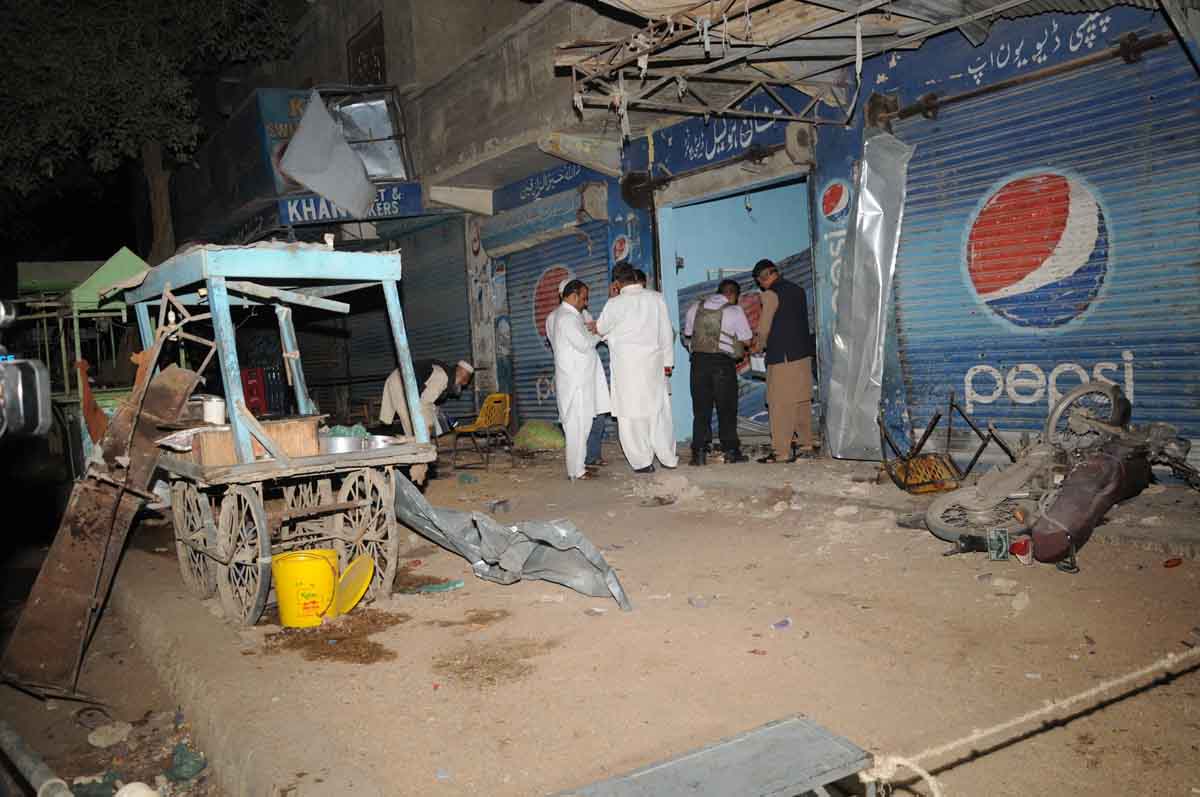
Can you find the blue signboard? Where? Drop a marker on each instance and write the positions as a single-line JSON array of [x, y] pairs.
[[698, 143], [392, 200]]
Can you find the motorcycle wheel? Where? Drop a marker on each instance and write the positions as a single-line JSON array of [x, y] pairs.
[[948, 519], [1100, 401]]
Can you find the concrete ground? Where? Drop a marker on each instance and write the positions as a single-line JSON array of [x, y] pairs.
[[532, 689]]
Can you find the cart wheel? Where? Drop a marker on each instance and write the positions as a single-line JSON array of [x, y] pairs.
[[244, 539], [370, 529], [305, 495], [194, 523]]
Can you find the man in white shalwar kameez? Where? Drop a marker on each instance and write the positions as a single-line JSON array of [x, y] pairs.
[[579, 384], [636, 324]]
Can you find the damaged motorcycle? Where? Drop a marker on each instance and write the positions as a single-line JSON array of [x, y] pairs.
[[1047, 503]]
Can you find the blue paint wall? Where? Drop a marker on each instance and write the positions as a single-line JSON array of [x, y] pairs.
[[722, 233]]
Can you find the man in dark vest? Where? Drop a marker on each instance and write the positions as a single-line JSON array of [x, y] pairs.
[[784, 335], [437, 382], [716, 330]]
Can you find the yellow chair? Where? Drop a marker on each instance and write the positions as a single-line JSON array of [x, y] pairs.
[[491, 427]]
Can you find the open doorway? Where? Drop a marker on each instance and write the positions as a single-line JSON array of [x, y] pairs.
[[722, 237]]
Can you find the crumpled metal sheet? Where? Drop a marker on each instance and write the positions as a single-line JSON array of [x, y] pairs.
[[319, 158], [554, 550], [860, 329]]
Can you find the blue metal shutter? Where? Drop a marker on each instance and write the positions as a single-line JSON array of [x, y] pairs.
[[433, 295], [583, 253], [1050, 236]]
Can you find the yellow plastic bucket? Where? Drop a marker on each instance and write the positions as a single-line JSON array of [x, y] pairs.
[[305, 586]]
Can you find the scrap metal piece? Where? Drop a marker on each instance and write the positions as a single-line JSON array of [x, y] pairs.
[[554, 551], [46, 649]]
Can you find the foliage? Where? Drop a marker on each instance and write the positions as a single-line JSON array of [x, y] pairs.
[[96, 79]]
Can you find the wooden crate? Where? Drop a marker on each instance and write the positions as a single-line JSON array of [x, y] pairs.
[[297, 437]]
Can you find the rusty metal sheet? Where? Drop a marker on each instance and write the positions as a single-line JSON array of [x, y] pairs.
[[46, 649]]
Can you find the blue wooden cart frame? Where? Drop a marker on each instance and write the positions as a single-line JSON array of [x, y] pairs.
[[233, 553]]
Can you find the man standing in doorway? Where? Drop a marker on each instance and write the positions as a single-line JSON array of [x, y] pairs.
[[784, 335], [579, 384], [637, 326], [717, 330]]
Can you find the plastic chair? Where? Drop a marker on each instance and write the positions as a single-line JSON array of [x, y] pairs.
[[490, 427]]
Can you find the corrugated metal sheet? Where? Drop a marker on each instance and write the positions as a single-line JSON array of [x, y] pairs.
[[752, 389], [1051, 236], [433, 293], [533, 278]]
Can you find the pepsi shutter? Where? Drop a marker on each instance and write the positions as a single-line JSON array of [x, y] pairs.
[[533, 278], [1049, 238]]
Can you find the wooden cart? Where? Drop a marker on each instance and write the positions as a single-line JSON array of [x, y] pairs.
[[250, 489]]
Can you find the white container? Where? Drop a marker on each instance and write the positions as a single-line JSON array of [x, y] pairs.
[[211, 409]]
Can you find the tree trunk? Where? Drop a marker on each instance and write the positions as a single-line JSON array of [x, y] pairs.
[[158, 184]]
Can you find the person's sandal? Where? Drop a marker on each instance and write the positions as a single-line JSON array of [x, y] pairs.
[[769, 459]]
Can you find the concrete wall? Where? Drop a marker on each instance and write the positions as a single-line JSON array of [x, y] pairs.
[[444, 33], [505, 97]]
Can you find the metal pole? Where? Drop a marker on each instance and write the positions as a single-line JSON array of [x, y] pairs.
[[145, 331], [407, 371], [31, 766], [62, 340], [78, 348], [291, 359], [231, 374]]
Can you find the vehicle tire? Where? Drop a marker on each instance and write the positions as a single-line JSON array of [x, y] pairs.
[[1102, 401], [192, 513], [243, 538], [948, 519]]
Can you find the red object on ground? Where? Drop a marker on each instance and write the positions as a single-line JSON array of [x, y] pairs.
[[1173, 562], [254, 390]]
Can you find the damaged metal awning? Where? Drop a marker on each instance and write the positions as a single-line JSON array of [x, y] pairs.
[[707, 58]]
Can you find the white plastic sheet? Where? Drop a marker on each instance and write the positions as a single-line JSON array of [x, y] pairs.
[[860, 327]]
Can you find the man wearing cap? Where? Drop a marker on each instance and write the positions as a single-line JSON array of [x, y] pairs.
[[579, 384], [433, 378], [784, 335], [637, 327]]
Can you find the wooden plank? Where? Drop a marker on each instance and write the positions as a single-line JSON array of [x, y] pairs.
[[296, 437], [290, 297], [781, 759], [252, 472]]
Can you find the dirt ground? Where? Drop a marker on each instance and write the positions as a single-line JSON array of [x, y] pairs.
[[532, 689]]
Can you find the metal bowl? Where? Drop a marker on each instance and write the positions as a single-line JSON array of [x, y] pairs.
[[340, 445], [377, 441]]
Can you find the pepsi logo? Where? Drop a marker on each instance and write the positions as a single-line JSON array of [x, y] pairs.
[[835, 200], [1037, 251], [545, 297]]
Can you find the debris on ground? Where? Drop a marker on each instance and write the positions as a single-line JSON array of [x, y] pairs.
[[667, 489], [442, 586], [108, 735], [698, 602], [499, 505], [595, 611], [154, 749], [782, 625], [491, 663], [474, 619], [345, 639], [468, 478], [408, 583]]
